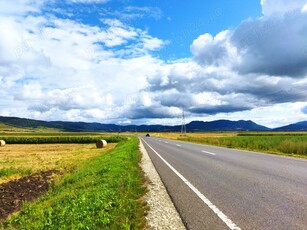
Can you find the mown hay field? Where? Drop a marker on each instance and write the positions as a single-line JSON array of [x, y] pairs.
[[27, 153], [17, 160], [92, 189]]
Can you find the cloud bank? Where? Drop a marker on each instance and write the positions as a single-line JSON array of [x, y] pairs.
[[261, 63], [57, 68]]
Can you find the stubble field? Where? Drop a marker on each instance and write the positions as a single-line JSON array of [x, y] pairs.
[[18, 160]]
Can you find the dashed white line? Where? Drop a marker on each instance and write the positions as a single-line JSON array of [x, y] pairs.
[[178, 145], [231, 225], [208, 152], [165, 142]]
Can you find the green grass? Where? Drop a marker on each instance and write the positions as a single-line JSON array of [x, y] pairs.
[[6, 172], [104, 193], [286, 144]]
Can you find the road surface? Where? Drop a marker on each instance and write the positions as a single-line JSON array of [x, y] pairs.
[[220, 188]]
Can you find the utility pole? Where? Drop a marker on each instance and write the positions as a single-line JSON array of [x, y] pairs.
[[183, 125]]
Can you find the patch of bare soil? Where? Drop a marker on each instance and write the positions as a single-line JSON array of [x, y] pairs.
[[28, 188]]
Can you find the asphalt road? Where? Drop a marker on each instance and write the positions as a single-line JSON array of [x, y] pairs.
[[220, 188]]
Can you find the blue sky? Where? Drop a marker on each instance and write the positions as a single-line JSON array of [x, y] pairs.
[[141, 62], [182, 22], [177, 22]]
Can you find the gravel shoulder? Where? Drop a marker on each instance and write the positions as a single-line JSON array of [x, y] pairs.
[[162, 213]]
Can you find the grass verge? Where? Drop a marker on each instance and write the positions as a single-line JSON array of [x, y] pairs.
[[281, 143], [104, 193], [290, 145]]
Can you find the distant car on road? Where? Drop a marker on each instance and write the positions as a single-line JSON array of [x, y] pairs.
[[147, 135]]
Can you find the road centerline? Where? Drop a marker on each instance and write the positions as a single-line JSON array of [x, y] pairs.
[[219, 213], [203, 151]]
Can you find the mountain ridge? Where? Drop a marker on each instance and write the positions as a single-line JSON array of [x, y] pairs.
[[193, 126], [299, 126]]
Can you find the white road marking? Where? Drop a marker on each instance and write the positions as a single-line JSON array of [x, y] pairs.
[[178, 145], [165, 142], [208, 152], [218, 212]]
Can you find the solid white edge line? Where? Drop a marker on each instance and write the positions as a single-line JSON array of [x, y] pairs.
[[218, 212], [208, 152]]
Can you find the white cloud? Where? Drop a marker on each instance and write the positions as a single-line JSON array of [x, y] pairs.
[[150, 43], [21, 7], [217, 50], [30, 92], [146, 99], [118, 34], [279, 7], [88, 1], [304, 9], [63, 69], [260, 63], [273, 46], [130, 13]]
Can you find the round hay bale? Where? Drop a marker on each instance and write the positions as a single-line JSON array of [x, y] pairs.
[[101, 144], [2, 143]]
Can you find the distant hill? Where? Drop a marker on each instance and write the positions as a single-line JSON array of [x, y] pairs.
[[225, 125], [194, 126], [9, 128], [300, 126], [60, 125], [16, 123]]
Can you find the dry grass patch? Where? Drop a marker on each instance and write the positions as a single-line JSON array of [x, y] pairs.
[[19, 160], [176, 136]]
